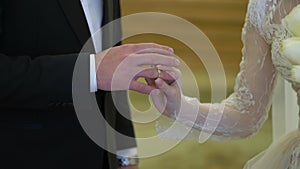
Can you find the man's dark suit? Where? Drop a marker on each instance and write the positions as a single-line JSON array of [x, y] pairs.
[[39, 44]]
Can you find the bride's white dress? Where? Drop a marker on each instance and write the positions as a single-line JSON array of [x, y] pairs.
[[247, 108]]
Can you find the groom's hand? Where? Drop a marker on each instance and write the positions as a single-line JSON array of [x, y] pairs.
[[118, 68]]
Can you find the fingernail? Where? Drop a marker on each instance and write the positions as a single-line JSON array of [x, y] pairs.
[[171, 50]]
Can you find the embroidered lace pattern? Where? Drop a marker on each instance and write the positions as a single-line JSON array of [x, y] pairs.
[[247, 107]]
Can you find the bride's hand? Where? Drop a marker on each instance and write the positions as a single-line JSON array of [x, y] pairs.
[[167, 97]]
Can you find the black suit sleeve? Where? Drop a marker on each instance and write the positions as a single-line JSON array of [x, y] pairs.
[[37, 55], [35, 83], [123, 122], [125, 127]]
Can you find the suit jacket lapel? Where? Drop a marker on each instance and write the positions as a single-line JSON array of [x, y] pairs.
[[111, 11], [75, 15]]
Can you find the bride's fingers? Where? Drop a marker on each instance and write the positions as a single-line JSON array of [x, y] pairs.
[[157, 100], [167, 77], [171, 97], [167, 89], [170, 71]]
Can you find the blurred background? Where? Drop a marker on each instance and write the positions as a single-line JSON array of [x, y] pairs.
[[221, 21]]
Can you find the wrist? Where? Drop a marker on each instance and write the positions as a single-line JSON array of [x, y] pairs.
[[189, 108]]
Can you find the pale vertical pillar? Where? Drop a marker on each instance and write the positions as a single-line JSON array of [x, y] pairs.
[[284, 109]]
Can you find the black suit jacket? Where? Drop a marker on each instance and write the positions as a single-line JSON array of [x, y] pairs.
[[39, 45]]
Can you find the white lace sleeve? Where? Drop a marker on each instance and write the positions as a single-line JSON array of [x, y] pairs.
[[247, 108]]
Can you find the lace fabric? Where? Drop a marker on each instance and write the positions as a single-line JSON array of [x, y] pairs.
[[264, 31], [246, 109], [284, 153]]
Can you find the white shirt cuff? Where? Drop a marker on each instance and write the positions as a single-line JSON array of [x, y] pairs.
[[93, 78], [129, 152]]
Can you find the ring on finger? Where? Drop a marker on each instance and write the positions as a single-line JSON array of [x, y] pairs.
[[159, 73]]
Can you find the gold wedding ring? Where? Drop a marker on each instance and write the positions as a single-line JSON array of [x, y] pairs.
[[158, 72]]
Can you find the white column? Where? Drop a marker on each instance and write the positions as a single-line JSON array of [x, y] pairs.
[[284, 109]]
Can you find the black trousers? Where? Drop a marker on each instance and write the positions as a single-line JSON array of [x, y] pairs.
[[47, 140]]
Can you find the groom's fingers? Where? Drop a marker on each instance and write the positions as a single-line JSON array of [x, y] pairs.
[[154, 73], [153, 59], [141, 87], [174, 72], [147, 73], [142, 46], [167, 89], [167, 77], [156, 50]]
